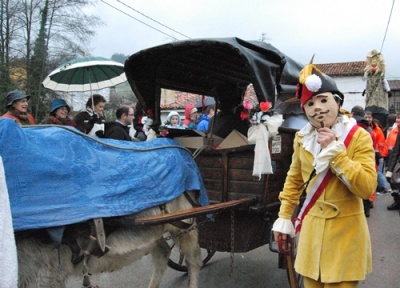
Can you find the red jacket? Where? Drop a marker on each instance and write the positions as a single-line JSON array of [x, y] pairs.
[[30, 118], [380, 146], [391, 138]]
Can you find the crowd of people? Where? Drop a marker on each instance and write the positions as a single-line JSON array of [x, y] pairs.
[[92, 121], [227, 118], [192, 120], [384, 141]]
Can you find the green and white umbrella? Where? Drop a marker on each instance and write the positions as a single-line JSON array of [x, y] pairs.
[[85, 74]]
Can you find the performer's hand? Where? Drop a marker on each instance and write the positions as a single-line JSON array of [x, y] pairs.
[[276, 236], [325, 137]]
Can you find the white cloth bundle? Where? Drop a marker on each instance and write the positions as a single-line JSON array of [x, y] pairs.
[[259, 134], [8, 249]]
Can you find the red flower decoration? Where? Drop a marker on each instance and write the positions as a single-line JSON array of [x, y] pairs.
[[164, 132], [244, 115], [265, 106]]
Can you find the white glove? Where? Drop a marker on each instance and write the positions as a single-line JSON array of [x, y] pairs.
[[96, 127]]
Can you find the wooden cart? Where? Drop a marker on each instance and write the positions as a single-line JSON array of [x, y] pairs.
[[243, 206]]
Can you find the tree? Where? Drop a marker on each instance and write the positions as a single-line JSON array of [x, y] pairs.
[[118, 57], [37, 64], [36, 37], [9, 27]]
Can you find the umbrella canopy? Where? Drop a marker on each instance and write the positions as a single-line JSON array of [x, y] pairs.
[[207, 101], [85, 74]]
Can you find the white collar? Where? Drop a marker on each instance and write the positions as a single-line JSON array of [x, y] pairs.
[[310, 134]]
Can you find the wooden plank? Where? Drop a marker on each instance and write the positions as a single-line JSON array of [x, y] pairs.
[[190, 213]]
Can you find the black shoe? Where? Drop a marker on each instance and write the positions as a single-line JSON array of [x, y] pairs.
[[367, 205], [393, 206], [379, 189]]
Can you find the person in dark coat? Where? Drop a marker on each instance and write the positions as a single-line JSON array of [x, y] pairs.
[[119, 129], [394, 157], [91, 121], [137, 123]]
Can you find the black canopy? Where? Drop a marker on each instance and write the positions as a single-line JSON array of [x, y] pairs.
[[212, 67]]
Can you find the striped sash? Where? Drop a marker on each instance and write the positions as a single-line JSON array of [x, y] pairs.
[[320, 183]]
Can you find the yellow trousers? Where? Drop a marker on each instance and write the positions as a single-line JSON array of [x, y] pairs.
[[311, 283]]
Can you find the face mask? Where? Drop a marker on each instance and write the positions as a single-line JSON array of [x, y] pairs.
[[322, 108]]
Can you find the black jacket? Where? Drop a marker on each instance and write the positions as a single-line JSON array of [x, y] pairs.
[[85, 122], [116, 130], [394, 156]]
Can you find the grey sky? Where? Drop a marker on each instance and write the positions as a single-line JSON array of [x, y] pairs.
[[336, 31]]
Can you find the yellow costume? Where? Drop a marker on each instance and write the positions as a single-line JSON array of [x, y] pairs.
[[334, 243]]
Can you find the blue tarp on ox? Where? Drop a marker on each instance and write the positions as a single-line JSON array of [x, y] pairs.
[[56, 176]]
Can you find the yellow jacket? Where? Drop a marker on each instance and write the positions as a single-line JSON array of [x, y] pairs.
[[334, 242]]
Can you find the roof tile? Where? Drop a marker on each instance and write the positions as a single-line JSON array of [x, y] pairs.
[[343, 69]]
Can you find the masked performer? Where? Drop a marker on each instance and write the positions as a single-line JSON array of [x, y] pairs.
[[334, 163]]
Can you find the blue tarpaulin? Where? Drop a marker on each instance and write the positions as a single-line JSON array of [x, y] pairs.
[[58, 176]]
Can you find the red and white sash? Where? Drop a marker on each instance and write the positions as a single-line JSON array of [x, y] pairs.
[[322, 180]]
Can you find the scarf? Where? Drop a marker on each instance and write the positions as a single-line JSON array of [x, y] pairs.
[[58, 121], [23, 117]]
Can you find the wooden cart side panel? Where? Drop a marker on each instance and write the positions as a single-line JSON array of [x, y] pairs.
[[236, 181]]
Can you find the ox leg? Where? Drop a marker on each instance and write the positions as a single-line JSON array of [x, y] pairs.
[[190, 248], [160, 255]]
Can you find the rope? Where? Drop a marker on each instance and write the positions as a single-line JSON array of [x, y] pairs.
[[387, 26]]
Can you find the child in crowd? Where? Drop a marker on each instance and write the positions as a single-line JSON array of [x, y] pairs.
[[174, 120], [190, 121]]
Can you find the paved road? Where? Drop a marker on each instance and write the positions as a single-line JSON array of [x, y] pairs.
[[258, 268]]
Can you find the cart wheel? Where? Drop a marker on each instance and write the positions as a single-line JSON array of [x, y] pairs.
[[176, 259]]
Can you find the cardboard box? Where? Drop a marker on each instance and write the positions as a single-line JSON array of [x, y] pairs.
[[234, 139], [192, 142], [195, 139]]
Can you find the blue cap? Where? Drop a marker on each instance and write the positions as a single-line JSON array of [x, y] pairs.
[[14, 96], [58, 103]]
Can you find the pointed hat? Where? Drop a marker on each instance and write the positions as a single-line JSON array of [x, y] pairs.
[[313, 81]]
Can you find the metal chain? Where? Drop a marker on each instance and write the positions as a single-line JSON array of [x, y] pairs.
[[191, 228], [232, 240]]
